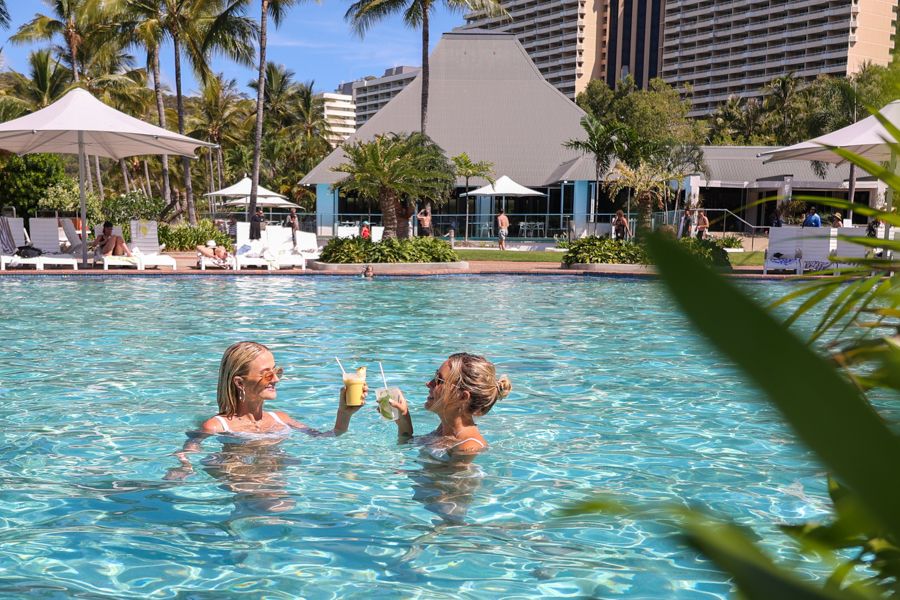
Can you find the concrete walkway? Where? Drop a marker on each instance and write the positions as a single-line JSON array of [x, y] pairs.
[[187, 265]]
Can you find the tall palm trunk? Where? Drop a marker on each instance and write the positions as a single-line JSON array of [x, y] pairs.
[[148, 190], [99, 178], [260, 95], [73, 52], [390, 209], [185, 161], [425, 66], [645, 214], [125, 175], [161, 111]]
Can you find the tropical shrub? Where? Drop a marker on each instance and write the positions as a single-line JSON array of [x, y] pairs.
[[64, 197], [24, 179], [122, 208], [392, 250], [730, 241], [606, 250], [185, 237]]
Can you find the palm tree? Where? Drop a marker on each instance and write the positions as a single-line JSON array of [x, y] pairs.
[[393, 170], [603, 144], [649, 183], [362, 14], [46, 82], [278, 10], [279, 95], [467, 169], [196, 29], [219, 116], [71, 19], [4, 14], [781, 102], [310, 123]]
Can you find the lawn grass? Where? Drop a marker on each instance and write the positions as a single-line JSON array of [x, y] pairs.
[[747, 259], [510, 256]]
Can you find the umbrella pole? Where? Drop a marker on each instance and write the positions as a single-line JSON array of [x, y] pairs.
[[83, 199], [467, 219]]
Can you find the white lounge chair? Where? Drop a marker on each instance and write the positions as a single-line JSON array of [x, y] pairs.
[[846, 249], [145, 245], [308, 243], [783, 253], [250, 253], [12, 237], [72, 236], [113, 261], [45, 237], [377, 235], [282, 248], [816, 244]]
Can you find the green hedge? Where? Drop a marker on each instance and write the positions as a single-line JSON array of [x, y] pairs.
[[415, 250], [185, 237], [605, 250]]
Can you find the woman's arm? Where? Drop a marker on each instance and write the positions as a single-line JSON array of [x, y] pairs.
[[404, 422], [191, 445], [341, 421]]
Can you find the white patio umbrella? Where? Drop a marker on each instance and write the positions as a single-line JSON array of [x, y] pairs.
[[867, 138], [242, 188], [503, 186], [80, 124], [263, 201]]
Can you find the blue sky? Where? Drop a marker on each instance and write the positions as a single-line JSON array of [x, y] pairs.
[[314, 41]]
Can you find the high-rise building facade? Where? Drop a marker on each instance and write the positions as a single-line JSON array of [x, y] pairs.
[[566, 39], [371, 93], [340, 113], [719, 48], [634, 43]]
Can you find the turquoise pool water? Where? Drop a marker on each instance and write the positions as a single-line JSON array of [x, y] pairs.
[[100, 380]]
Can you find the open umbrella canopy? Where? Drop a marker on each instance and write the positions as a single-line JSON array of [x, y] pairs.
[[866, 137], [242, 188], [80, 124], [504, 186], [271, 202], [79, 118]]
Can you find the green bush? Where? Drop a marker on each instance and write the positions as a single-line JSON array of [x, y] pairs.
[[65, 197], [25, 179], [122, 208], [185, 237], [415, 250], [605, 250], [730, 241]]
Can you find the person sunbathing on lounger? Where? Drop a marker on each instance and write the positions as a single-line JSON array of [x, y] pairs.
[[110, 244], [220, 256]]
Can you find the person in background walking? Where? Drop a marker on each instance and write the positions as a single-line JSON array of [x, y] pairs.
[[687, 221], [502, 228], [621, 230], [812, 219], [294, 222], [836, 220], [702, 224]]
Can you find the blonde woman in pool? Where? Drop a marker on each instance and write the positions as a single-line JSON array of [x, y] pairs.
[[248, 377], [465, 386]]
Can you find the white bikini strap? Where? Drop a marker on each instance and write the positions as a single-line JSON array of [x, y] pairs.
[[277, 418], [223, 422], [471, 439]]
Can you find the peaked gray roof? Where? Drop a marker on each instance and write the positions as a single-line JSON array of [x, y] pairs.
[[742, 164], [487, 99]]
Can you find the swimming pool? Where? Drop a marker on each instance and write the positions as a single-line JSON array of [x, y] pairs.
[[100, 379]]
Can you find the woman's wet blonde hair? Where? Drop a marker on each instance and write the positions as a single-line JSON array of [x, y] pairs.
[[477, 375], [235, 363]]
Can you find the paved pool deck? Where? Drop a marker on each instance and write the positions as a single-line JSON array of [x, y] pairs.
[[187, 265]]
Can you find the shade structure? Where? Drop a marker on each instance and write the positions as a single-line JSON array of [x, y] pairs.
[[270, 202], [504, 186], [242, 188], [867, 138], [80, 124]]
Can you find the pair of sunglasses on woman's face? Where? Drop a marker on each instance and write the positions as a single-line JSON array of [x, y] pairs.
[[267, 376]]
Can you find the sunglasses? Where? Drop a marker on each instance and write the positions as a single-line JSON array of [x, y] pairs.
[[269, 375], [438, 380]]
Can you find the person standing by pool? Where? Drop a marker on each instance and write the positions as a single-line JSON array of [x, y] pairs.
[[687, 221], [702, 224], [424, 217], [812, 219], [621, 230], [294, 222], [248, 377], [502, 228], [465, 386], [256, 224]]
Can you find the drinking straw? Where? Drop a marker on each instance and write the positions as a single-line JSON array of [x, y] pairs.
[[340, 365], [382, 375]]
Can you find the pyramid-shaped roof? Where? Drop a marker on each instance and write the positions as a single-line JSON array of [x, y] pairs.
[[487, 99]]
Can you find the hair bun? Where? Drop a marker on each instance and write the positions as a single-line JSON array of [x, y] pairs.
[[504, 387]]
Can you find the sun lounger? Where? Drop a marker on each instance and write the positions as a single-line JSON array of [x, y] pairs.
[[112, 261], [377, 234], [308, 243], [816, 244], [12, 235], [45, 237], [145, 245], [72, 236], [845, 251], [250, 253], [784, 252]]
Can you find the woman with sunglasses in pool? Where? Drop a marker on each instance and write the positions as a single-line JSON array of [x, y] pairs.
[[465, 386], [248, 377]]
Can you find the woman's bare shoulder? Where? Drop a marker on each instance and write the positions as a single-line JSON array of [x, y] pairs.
[[212, 425]]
